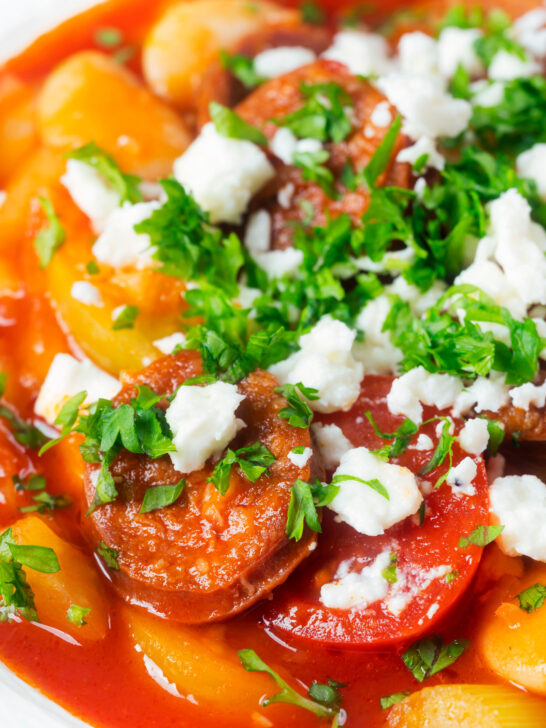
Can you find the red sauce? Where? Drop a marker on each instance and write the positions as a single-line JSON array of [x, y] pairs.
[[105, 682]]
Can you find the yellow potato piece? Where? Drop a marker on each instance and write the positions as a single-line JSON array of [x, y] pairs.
[[513, 642], [89, 97], [17, 124], [202, 665], [182, 44], [77, 582], [468, 706]]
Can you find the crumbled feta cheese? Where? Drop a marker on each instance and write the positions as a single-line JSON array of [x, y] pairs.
[[357, 589], [203, 423], [419, 302], [325, 362], [363, 508], [86, 293], [168, 344], [484, 394], [258, 232], [66, 377], [331, 442], [423, 146], [285, 195], [285, 145], [91, 192], [420, 187], [456, 47], [300, 459], [519, 503], [363, 53], [381, 116], [275, 62], [461, 477], [507, 66], [529, 394], [120, 245], [428, 110], [222, 174], [474, 437], [411, 581], [423, 442], [279, 263], [530, 31], [246, 296], [417, 387], [377, 352], [486, 93], [418, 54], [532, 165]]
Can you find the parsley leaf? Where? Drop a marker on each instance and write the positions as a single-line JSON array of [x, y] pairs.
[[44, 502], [313, 169], [480, 536], [389, 700], [374, 484], [161, 496], [496, 433], [242, 67], [443, 449], [532, 598], [109, 37], [305, 498], [312, 13], [253, 460], [389, 572], [231, 125], [126, 185], [33, 482], [3, 381], [66, 419], [401, 437], [431, 655], [50, 238], [326, 693], [298, 413], [125, 318], [382, 155], [76, 615], [323, 116], [253, 663], [24, 433], [108, 555]]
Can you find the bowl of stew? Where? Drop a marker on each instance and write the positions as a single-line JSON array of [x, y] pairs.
[[272, 344]]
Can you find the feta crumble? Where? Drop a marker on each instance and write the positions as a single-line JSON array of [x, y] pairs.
[[301, 459], [363, 508], [258, 232], [363, 53], [331, 442], [519, 503], [460, 477], [528, 394], [474, 437], [417, 387], [532, 165], [275, 62], [423, 146], [357, 589], [325, 363], [285, 145], [203, 423], [91, 192], [456, 47], [86, 293], [67, 377], [119, 245], [506, 66], [222, 174], [381, 116], [423, 442], [168, 344]]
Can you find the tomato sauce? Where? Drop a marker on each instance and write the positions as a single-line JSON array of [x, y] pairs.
[[107, 682]]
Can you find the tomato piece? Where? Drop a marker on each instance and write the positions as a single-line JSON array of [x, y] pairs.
[[432, 572]]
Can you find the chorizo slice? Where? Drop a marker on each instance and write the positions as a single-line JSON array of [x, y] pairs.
[[222, 86], [281, 96], [207, 556]]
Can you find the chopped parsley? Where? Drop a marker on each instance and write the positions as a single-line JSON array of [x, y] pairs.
[[389, 572], [401, 437], [161, 496], [389, 700], [109, 37], [374, 483], [312, 13], [381, 157], [126, 185], [298, 413], [325, 705], [51, 237], [431, 655], [231, 125], [23, 432], [76, 615], [443, 449], [33, 482], [254, 461], [313, 169], [305, 498], [126, 318], [108, 555], [532, 598], [45, 502], [242, 67], [480, 536]]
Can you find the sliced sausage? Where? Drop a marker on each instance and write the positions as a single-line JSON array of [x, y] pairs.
[[207, 556]]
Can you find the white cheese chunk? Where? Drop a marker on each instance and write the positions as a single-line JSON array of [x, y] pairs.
[[285, 145], [203, 423], [381, 116], [325, 363], [301, 459], [357, 589], [423, 146], [66, 377], [91, 192], [362, 507], [507, 66], [474, 437], [279, 263], [120, 245], [460, 477], [86, 293], [222, 174], [456, 47], [275, 62], [519, 503], [418, 54], [528, 394], [417, 387], [378, 354], [530, 31], [168, 344], [258, 232], [331, 442], [362, 53], [484, 394], [487, 93], [423, 442], [532, 164]]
